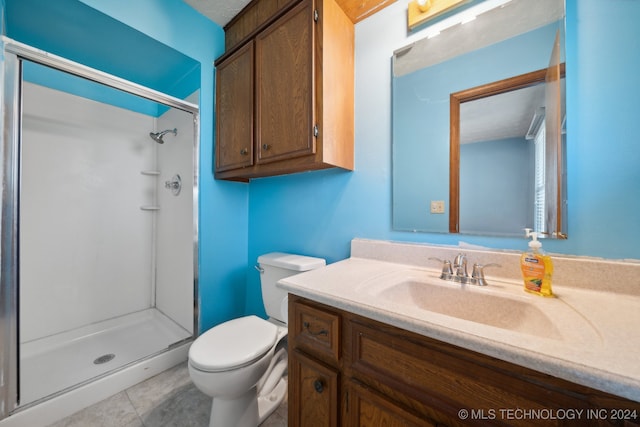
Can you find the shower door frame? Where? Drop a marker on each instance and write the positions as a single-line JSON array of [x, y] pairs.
[[10, 142]]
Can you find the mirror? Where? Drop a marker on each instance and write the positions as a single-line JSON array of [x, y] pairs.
[[447, 151]]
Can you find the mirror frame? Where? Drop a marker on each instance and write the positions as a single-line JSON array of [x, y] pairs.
[[479, 92]]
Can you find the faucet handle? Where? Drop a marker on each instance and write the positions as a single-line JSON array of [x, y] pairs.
[[477, 275], [447, 271]]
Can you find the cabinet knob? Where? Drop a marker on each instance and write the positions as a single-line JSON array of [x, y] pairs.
[[266, 147], [244, 151], [318, 386]]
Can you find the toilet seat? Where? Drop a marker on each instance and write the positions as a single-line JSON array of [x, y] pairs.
[[233, 344]]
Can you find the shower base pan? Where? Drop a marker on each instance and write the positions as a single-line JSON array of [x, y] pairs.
[[56, 363]]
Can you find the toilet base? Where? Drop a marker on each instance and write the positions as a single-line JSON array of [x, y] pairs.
[[269, 403], [241, 411], [248, 410]]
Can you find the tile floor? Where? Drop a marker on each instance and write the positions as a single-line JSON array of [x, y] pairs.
[[167, 400]]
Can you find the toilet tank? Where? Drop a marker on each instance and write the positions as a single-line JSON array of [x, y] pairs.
[[275, 266]]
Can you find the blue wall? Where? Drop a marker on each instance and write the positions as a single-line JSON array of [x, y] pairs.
[[2, 19], [319, 213], [69, 83], [497, 186]]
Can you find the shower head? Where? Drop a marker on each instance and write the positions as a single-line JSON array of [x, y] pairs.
[[157, 136]]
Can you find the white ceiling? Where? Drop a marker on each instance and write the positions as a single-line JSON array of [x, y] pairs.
[[219, 11], [507, 115]]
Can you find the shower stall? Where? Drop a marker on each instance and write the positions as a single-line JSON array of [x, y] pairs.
[[99, 231]]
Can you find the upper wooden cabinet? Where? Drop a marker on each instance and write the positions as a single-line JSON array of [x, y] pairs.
[[285, 116], [234, 100], [259, 13], [253, 17], [285, 97]]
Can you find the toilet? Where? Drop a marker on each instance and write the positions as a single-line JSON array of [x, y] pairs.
[[240, 363]]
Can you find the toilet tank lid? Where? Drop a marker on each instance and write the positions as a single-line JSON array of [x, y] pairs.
[[291, 261]]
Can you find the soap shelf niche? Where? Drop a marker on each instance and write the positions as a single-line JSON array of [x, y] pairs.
[[150, 207]]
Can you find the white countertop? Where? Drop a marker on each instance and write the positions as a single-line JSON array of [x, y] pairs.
[[593, 339]]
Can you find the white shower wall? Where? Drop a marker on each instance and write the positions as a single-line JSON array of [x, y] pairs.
[[85, 244], [175, 233]]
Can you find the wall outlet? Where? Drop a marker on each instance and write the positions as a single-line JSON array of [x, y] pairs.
[[437, 206]]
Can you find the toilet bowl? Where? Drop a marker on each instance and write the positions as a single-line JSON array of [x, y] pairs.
[[240, 363]]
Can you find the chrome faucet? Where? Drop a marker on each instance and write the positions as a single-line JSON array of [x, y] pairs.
[[461, 275], [460, 267]]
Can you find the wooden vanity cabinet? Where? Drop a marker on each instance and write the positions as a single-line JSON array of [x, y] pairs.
[[290, 107], [315, 387], [319, 392], [314, 364], [347, 370]]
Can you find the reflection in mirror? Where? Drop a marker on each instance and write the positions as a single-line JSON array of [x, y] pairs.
[[515, 39], [500, 133]]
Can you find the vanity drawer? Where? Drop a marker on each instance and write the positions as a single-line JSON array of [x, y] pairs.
[[437, 380], [315, 329]]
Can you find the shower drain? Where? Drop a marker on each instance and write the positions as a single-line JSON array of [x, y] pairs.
[[104, 359]]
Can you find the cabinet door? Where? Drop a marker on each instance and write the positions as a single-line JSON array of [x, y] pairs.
[[365, 408], [313, 396], [284, 87], [234, 104]]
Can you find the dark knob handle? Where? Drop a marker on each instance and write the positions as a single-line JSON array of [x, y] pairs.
[[318, 386], [244, 151], [266, 146]]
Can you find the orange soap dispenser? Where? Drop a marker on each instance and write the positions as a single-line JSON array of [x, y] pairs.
[[537, 267]]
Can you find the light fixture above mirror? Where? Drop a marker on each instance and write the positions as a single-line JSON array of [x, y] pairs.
[[420, 11]]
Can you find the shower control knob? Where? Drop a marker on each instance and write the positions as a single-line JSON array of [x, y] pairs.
[[244, 151], [175, 185]]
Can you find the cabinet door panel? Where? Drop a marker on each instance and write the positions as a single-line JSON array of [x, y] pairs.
[[313, 393], [368, 409], [284, 87], [316, 331], [234, 122]]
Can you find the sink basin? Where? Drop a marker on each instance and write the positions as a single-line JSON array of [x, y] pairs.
[[460, 302], [501, 306]]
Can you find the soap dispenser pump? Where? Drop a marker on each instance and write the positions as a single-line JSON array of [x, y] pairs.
[[537, 267]]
